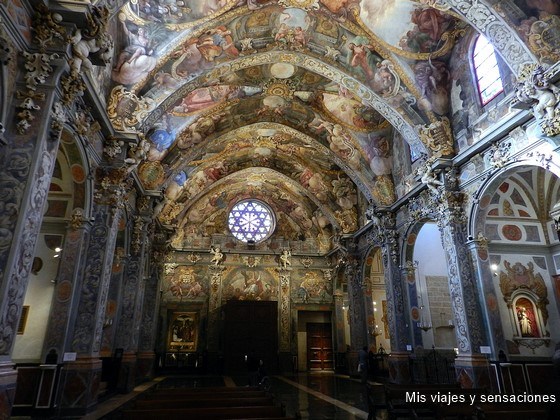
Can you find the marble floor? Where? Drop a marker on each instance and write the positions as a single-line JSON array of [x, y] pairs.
[[305, 395]]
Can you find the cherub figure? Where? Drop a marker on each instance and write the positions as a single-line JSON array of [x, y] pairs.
[[285, 258], [217, 255], [430, 179]]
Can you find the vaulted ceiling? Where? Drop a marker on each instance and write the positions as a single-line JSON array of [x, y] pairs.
[[295, 102]]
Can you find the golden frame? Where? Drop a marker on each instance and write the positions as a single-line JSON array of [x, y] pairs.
[[182, 333], [23, 319]]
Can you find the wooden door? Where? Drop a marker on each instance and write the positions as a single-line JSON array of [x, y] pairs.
[[250, 326], [319, 346]]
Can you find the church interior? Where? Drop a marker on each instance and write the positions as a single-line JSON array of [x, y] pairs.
[[186, 183]]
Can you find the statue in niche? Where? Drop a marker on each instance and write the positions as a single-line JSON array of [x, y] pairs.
[[524, 322]]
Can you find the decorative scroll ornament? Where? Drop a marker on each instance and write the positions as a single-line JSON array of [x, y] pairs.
[[169, 268], [113, 147], [193, 258], [383, 233], [306, 5], [499, 154], [111, 187], [438, 138], [5, 49], [77, 219], [126, 110], [47, 28], [535, 89], [137, 234]]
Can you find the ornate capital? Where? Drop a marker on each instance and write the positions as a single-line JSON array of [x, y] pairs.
[[78, 219], [47, 28]]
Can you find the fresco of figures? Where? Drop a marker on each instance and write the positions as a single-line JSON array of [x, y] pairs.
[[311, 287], [249, 284], [185, 283]]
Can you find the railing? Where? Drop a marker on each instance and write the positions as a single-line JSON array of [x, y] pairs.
[[36, 388], [432, 367]]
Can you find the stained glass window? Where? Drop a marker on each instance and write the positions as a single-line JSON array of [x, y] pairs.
[[486, 70], [251, 220]]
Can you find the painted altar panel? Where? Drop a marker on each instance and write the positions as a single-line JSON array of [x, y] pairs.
[[183, 331]]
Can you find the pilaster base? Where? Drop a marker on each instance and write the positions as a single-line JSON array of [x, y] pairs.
[[352, 361], [79, 386], [127, 373], [399, 367], [8, 380], [472, 371], [145, 361], [286, 362]]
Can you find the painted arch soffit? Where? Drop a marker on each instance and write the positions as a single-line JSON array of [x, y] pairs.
[[334, 157], [278, 191], [326, 184], [395, 100]]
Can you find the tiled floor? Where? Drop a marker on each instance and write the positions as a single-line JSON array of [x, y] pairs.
[[308, 396]]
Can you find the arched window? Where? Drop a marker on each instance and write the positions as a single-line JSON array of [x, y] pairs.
[[486, 70]]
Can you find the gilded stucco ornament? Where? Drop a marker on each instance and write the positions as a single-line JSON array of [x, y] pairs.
[[113, 147], [137, 235], [535, 89], [126, 110], [78, 218], [438, 138], [499, 154]]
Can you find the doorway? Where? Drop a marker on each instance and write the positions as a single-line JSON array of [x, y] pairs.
[[319, 346], [250, 326]]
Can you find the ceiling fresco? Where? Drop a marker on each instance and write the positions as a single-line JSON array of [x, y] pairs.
[[308, 94]]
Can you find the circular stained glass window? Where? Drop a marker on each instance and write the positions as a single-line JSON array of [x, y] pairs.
[[251, 221]]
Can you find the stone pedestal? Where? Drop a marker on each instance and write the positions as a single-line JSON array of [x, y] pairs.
[[399, 368], [472, 371], [127, 373], [145, 364], [79, 383]]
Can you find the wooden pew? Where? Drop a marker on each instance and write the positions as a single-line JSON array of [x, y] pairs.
[[509, 411], [215, 413], [217, 401], [202, 395]]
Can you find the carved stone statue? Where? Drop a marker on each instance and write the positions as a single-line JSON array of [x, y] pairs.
[[217, 255], [534, 88], [285, 258], [430, 179]]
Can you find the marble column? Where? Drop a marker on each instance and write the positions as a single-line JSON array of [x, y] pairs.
[[132, 298], [384, 235], [471, 366], [68, 286], [215, 272], [80, 380], [339, 339], [27, 159], [488, 297], [150, 309], [284, 312], [358, 327]]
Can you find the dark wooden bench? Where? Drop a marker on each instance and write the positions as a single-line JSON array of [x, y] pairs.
[[215, 413], [202, 395], [509, 411], [217, 401]]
